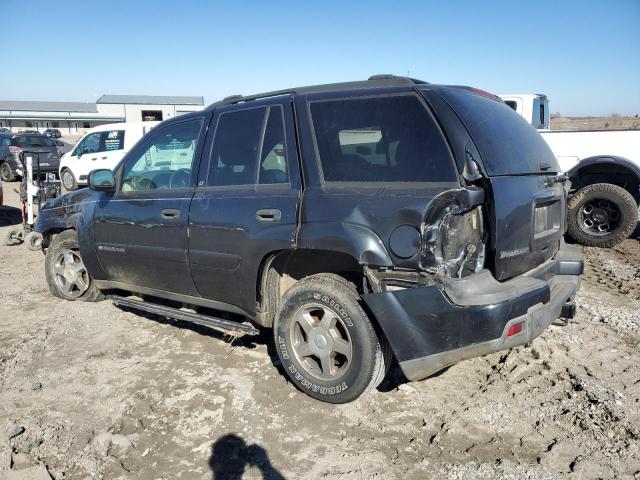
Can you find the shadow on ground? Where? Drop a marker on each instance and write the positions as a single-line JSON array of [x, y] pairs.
[[230, 456]]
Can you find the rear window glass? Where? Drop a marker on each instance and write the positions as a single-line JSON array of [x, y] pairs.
[[33, 141], [380, 139], [507, 143]]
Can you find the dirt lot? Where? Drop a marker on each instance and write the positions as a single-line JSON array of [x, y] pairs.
[[595, 123], [92, 391]]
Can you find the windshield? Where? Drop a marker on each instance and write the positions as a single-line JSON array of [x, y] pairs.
[[507, 143]]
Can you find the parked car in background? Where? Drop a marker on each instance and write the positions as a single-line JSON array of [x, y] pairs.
[[403, 228], [603, 167], [4, 130], [102, 147], [12, 144], [52, 132], [29, 131]]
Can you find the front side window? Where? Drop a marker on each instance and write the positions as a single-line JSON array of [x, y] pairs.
[[91, 143], [380, 139], [164, 160]]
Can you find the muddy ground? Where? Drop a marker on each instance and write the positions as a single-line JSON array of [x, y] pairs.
[[92, 391]]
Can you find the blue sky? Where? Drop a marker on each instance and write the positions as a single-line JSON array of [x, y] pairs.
[[584, 54]]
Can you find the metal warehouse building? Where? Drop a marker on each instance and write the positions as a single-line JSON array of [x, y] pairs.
[[77, 117]]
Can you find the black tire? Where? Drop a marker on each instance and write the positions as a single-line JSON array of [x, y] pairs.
[[10, 236], [6, 174], [65, 242], [33, 241], [68, 180], [623, 209], [348, 376]]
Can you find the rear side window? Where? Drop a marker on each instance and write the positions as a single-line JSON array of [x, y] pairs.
[[234, 155], [380, 139], [249, 147], [508, 144], [5, 141]]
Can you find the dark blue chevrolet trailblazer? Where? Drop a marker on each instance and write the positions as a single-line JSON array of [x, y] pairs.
[[359, 221]]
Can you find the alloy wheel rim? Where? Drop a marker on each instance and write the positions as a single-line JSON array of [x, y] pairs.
[[599, 217], [67, 180], [70, 274], [321, 342]]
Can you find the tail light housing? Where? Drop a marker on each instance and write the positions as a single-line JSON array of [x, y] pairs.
[[15, 150], [461, 244], [454, 234]]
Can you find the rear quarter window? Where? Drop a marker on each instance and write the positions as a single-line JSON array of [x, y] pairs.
[[507, 143], [380, 139]]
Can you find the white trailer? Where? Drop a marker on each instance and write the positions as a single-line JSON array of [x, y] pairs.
[[604, 169]]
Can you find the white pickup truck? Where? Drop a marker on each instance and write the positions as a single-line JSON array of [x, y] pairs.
[[604, 169]]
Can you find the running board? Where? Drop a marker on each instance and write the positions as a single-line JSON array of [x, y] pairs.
[[177, 314]]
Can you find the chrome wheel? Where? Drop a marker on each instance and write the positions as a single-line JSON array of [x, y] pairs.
[[67, 179], [599, 217], [321, 342], [70, 274]]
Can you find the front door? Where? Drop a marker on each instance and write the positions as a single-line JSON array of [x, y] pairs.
[[245, 205], [141, 231]]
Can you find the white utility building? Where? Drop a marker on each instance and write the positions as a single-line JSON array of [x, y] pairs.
[[77, 117]]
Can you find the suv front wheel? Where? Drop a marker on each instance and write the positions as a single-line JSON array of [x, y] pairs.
[[326, 342], [65, 271]]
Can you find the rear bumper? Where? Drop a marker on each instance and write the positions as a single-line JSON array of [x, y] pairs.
[[432, 327]]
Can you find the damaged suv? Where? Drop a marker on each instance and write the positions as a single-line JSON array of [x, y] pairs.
[[360, 221]]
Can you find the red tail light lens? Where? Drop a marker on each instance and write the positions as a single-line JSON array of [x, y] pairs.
[[515, 329]]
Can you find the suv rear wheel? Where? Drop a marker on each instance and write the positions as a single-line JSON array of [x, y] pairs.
[[65, 271], [602, 215], [325, 341]]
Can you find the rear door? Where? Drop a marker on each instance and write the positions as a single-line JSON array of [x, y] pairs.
[[245, 204], [527, 206], [141, 230]]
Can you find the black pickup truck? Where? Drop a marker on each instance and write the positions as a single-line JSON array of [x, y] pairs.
[[359, 221]]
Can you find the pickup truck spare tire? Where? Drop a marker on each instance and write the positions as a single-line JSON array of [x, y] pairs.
[[65, 272], [601, 215], [325, 341]]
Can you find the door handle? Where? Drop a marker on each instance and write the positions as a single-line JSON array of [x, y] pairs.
[[266, 215], [103, 158], [94, 158], [170, 213]]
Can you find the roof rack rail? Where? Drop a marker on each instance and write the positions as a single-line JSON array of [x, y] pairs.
[[383, 79]]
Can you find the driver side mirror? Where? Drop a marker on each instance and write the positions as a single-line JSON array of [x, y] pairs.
[[102, 180]]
